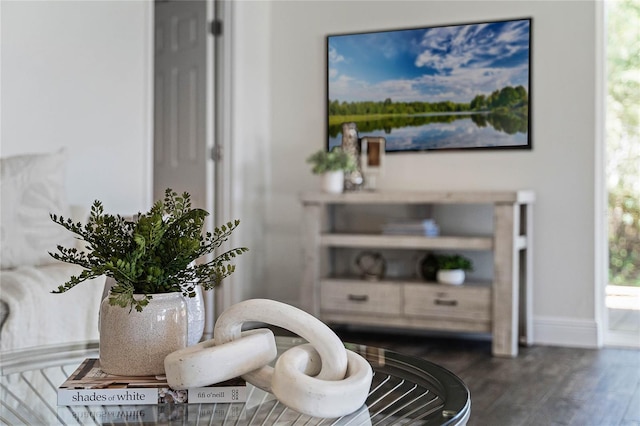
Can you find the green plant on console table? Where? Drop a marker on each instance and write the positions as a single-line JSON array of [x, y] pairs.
[[454, 261], [155, 253], [331, 161]]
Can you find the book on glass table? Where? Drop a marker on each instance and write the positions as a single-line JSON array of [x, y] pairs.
[[89, 385], [175, 414]]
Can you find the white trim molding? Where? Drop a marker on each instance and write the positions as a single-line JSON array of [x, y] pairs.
[[566, 332], [224, 206]]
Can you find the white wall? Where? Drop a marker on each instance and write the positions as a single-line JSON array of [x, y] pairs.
[[560, 168], [78, 75]]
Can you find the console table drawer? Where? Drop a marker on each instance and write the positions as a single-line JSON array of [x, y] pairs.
[[357, 297], [447, 301]]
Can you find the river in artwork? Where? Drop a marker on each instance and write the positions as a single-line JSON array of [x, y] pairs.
[[443, 131]]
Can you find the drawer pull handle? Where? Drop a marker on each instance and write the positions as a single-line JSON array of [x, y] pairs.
[[358, 297], [446, 302]]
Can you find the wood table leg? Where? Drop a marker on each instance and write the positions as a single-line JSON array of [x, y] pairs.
[[506, 280], [312, 228]]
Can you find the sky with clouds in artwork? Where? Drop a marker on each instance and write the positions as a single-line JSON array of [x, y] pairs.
[[453, 63]]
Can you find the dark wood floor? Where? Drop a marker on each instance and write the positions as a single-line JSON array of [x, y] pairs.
[[542, 386]]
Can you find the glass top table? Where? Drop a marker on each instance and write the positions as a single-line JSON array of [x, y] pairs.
[[405, 391]]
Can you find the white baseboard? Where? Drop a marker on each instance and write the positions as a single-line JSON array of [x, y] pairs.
[[565, 332]]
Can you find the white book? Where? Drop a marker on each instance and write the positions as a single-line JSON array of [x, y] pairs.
[[151, 414], [89, 385], [425, 227]]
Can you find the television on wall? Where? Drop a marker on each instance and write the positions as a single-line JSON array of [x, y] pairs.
[[450, 87]]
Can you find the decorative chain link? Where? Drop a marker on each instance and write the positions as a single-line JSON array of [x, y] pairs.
[[320, 379]]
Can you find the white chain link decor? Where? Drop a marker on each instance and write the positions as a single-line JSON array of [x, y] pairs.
[[320, 379], [204, 364]]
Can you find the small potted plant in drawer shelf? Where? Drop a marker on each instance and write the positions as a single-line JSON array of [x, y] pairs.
[[452, 267]]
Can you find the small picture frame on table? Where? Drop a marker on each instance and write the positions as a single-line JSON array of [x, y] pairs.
[[372, 152]]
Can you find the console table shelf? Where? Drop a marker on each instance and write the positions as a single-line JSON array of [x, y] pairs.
[[501, 306], [406, 241]]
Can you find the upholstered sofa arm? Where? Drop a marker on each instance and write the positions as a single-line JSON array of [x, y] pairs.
[[37, 317]]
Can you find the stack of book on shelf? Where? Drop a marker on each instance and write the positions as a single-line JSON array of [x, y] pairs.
[[425, 227], [89, 385]]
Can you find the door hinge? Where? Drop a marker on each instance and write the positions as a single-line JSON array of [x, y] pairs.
[[216, 153], [216, 28]]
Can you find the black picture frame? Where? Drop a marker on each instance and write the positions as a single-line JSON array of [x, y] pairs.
[[435, 88]]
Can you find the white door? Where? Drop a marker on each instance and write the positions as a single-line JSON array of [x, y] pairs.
[[181, 143], [183, 107]]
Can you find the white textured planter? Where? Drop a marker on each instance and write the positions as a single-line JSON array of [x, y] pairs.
[[135, 343], [195, 310], [450, 276], [333, 182]]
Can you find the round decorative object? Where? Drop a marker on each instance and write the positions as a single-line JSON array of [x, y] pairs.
[[331, 350], [135, 343], [427, 267], [372, 265], [341, 379], [321, 398], [451, 276], [204, 364]]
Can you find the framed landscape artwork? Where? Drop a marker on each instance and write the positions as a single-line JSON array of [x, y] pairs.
[[434, 88]]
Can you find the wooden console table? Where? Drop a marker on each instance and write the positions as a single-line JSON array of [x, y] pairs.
[[501, 307]]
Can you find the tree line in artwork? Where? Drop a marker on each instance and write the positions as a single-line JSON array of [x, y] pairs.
[[508, 99], [507, 123]]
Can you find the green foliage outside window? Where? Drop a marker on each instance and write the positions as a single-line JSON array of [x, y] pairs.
[[623, 140], [624, 238]]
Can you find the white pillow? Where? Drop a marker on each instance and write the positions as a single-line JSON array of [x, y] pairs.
[[31, 187]]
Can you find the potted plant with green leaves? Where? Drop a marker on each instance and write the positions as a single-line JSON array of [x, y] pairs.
[[154, 262], [332, 165], [452, 267]]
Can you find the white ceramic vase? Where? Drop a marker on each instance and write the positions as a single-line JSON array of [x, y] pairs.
[[450, 276], [195, 309], [333, 182], [135, 343]]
